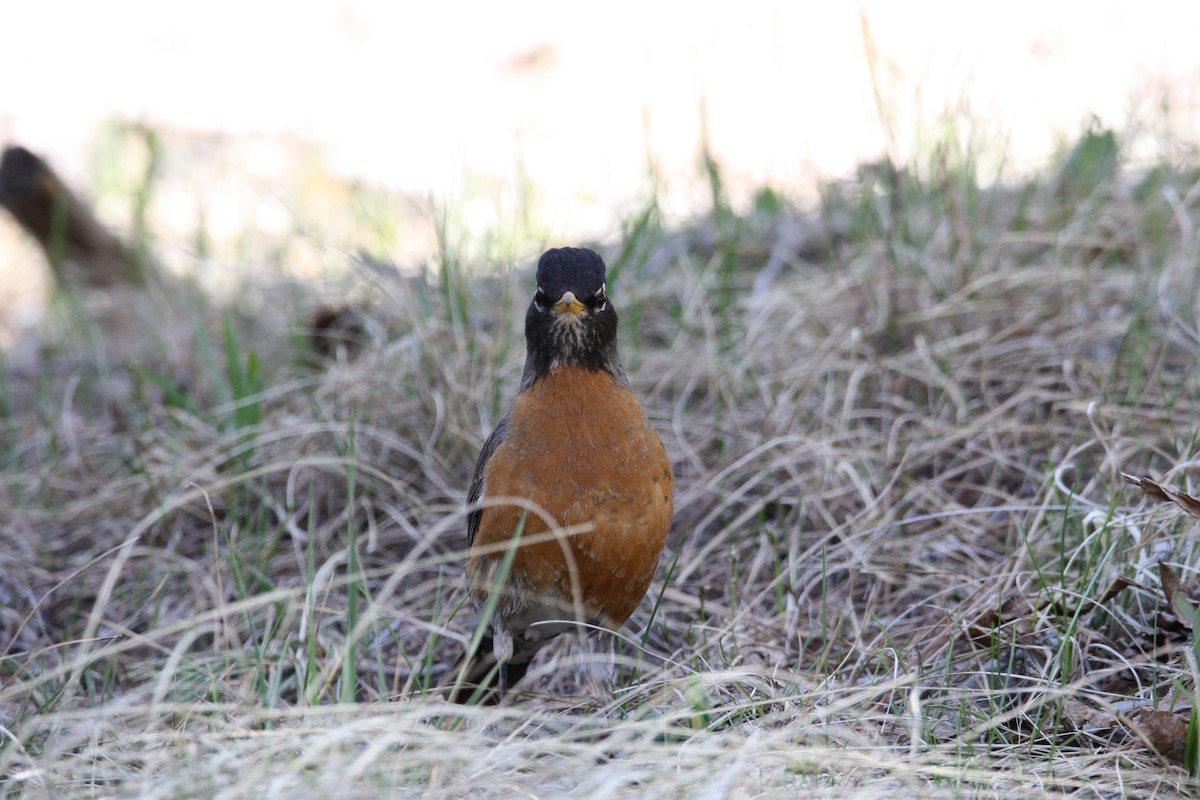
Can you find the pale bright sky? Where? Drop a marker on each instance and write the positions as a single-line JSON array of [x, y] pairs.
[[415, 94]]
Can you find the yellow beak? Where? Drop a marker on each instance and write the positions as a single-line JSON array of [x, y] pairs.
[[568, 303]]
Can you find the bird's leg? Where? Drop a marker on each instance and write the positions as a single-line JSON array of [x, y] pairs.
[[502, 649]]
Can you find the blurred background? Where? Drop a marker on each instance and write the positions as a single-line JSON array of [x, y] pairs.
[[281, 136]]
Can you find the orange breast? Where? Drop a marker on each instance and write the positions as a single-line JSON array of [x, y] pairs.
[[580, 447]]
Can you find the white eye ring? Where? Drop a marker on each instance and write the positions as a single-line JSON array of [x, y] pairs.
[[601, 297]]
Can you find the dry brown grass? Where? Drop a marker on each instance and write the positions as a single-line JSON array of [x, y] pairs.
[[899, 510]]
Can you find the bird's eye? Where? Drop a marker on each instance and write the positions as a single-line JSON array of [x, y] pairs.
[[599, 299], [540, 300]]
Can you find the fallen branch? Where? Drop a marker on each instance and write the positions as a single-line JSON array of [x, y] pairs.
[[80, 249]]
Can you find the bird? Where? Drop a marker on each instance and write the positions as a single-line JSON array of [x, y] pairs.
[[572, 496]]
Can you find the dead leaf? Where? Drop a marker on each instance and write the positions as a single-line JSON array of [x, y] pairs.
[[1164, 731], [1119, 584], [1013, 617], [1084, 715], [1165, 494], [1183, 609]]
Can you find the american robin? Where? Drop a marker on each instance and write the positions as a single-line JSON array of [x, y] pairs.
[[575, 488]]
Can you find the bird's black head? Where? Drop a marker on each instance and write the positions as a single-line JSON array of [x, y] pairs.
[[571, 321]]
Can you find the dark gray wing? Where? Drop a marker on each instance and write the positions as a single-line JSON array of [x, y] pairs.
[[477, 482]]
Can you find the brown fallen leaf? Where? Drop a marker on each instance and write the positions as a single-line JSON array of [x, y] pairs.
[[1180, 605], [1119, 584], [1084, 715], [1164, 731], [334, 328], [1012, 617], [1165, 494]]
